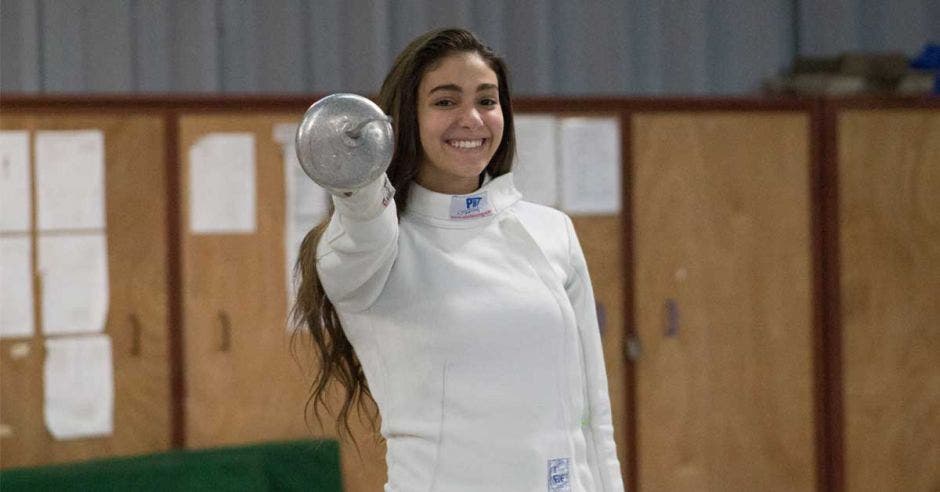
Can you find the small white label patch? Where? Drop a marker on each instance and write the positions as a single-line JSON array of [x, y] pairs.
[[558, 475], [470, 206]]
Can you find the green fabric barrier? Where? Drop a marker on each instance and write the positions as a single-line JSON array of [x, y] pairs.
[[281, 466]]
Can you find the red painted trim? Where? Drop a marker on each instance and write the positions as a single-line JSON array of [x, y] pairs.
[[174, 283], [829, 416], [926, 102], [145, 102], [818, 228], [633, 104], [631, 467]]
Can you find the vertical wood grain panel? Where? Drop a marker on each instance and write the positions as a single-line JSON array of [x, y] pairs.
[[722, 246], [26, 441], [137, 248], [232, 397], [889, 189], [257, 390]]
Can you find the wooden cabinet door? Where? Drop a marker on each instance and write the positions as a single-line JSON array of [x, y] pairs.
[[245, 381], [723, 301], [889, 246], [137, 320]]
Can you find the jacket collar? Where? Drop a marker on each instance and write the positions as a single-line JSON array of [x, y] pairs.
[[462, 211]]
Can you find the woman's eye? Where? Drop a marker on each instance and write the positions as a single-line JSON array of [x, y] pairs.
[[489, 102], [444, 103]]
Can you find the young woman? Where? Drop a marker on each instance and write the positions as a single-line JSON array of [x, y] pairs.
[[467, 310]]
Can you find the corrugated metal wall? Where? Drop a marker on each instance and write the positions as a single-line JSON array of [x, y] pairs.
[[563, 47]]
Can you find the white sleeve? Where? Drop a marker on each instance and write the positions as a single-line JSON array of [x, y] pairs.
[[359, 246], [597, 424]]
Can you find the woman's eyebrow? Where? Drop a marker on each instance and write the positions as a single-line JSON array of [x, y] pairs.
[[456, 88], [446, 87]]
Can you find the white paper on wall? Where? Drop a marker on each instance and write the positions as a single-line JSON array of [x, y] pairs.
[[285, 133], [590, 165], [70, 175], [16, 287], [307, 203], [222, 193], [73, 269], [14, 181], [535, 171], [79, 387]]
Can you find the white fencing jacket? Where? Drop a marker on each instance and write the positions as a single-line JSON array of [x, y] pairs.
[[474, 320]]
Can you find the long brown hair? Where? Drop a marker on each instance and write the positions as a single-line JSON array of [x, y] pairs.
[[398, 99]]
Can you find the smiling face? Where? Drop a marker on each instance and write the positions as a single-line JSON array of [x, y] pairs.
[[460, 123]]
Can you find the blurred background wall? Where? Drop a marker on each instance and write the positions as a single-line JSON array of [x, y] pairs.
[[554, 47]]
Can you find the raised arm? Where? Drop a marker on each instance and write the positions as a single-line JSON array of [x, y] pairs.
[[357, 250]]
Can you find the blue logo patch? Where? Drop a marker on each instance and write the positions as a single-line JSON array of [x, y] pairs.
[[558, 475], [473, 202]]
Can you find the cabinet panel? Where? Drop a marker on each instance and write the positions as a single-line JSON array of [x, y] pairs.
[[723, 301], [137, 320], [255, 390], [889, 227]]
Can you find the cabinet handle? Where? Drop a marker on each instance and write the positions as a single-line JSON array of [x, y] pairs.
[[226, 340], [671, 330], [135, 335]]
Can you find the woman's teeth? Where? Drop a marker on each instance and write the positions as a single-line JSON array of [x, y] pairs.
[[465, 144]]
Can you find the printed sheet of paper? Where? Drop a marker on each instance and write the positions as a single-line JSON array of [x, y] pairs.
[[535, 172], [222, 192], [16, 294], [70, 176], [74, 272], [307, 202], [590, 166], [14, 181], [79, 387]]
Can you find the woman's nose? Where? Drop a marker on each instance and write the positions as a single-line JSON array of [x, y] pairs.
[[471, 118]]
